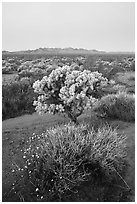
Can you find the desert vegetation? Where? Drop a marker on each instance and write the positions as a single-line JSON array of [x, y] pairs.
[[28, 70], [117, 106], [81, 147]]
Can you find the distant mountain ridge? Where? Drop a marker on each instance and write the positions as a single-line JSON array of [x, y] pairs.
[[68, 50]]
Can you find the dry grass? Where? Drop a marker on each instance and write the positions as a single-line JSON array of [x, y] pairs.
[[117, 106], [15, 134], [65, 156]]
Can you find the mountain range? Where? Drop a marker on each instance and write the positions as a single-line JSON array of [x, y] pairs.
[[56, 51]]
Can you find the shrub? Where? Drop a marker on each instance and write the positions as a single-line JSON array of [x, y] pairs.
[[131, 78], [17, 99], [68, 90], [117, 106], [132, 67], [130, 90], [63, 157]]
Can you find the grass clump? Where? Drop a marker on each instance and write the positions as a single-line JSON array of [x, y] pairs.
[[65, 156], [117, 106]]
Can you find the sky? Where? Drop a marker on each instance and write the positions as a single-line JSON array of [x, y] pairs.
[[101, 26]]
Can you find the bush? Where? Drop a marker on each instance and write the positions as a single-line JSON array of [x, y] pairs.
[[131, 78], [69, 91], [132, 67], [117, 106], [63, 157], [17, 99]]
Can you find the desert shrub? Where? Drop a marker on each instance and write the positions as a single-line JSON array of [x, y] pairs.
[[131, 78], [60, 159], [6, 70], [49, 69], [68, 91], [25, 73], [114, 89], [17, 99], [132, 67], [117, 106], [130, 90]]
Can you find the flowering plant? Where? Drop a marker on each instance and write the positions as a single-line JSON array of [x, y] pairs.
[[68, 90]]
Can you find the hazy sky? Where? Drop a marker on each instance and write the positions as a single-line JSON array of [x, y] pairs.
[[101, 26]]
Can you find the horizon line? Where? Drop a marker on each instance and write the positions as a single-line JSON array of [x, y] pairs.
[[32, 49]]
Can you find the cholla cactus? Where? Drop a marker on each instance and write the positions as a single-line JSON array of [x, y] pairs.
[[68, 90]]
